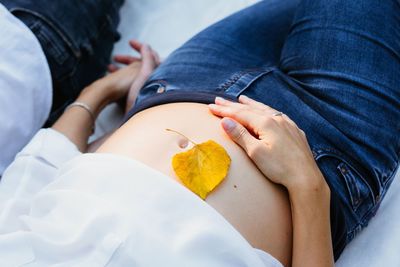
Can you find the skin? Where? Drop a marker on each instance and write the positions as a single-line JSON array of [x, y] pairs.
[[256, 207], [281, 151], [77, 124], [272, 147]]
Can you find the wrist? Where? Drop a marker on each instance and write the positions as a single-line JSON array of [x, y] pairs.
[[96, 96], [312, 186]]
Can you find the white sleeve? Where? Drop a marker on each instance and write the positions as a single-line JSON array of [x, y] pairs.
[[25, 87], [34, 168]]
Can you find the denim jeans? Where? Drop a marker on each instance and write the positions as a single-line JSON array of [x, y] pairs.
[[333, 66], [77, 38]]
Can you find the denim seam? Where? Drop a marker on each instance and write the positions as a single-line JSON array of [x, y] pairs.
[[355, 201], [361, 33], [255, 73], [358, 81], [227, 84], [361, 222], [392, 173], [74, 49], [333, 153], [60, 56]]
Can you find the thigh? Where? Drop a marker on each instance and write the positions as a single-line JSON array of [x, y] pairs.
[[346, 54], [247, 40], [339, 76]]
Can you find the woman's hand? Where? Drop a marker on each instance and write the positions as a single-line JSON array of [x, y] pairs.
[[281, 151], [275, 143], [119, 83], [77, 123], [149, 61]]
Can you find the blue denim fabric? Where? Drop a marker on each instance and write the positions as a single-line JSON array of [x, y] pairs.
[[333, 66], [77, 38]]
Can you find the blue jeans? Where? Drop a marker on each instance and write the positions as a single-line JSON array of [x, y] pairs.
[[77, 38], [333, 66]]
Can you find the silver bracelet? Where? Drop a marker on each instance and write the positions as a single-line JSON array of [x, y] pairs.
[[85, 107]]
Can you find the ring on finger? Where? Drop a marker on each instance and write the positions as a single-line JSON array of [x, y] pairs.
[[278, 113]]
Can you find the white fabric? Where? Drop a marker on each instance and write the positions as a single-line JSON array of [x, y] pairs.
[[25, 87], [102, 209]]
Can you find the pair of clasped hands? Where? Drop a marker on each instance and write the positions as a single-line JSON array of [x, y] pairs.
[[274, 143]]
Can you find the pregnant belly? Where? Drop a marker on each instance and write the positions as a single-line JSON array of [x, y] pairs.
[[257, 208]]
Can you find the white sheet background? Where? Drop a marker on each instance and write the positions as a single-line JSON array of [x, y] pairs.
[[166, 25]]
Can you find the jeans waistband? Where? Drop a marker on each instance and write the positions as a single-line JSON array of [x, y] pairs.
[[160, 98]]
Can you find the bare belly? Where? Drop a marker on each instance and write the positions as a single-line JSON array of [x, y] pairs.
[[257, 208]]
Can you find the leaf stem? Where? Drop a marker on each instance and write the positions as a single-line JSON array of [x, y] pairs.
[[170, 130]]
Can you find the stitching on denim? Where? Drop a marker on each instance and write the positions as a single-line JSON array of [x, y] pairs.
[[362, 222], [343, 171], [238, 75], [62, 35], [353, 232], [59, 53], [339, 156], [230, 81], [392, 173]]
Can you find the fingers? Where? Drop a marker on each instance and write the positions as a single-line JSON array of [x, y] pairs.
[[239, 134], [149, 63], [255, 116], [143, 49], [112, 68], [247, 118], [125, 59], [148, 60], [136, 45], [248, 104], [255, 104], [156, 57]]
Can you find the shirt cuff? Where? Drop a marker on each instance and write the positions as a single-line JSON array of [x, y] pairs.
[[51, 146]]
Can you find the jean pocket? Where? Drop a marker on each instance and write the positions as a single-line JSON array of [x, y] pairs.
[[359, 190], [351, 186], [240, 81], [50, 43], [54, 43]]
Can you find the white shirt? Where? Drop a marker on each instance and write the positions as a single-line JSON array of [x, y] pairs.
[[107, 210], [25, 86]]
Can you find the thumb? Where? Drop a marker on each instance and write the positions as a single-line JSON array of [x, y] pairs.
[[148, 60], [238, 133]]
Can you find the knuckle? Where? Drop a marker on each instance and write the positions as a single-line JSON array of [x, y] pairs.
[[267, 121], [240, 133], [254, 151]]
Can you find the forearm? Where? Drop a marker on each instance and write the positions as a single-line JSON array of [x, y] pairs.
[[77, 123], [312, 243]]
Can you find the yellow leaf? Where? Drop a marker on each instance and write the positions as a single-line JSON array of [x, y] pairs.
[[202, 168]]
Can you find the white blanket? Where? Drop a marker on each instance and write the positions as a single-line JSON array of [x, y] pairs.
[[166, 25]]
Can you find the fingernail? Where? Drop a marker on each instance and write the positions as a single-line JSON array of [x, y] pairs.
[[228, 124]]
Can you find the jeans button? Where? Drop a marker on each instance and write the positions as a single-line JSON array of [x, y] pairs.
[[160, 90]]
